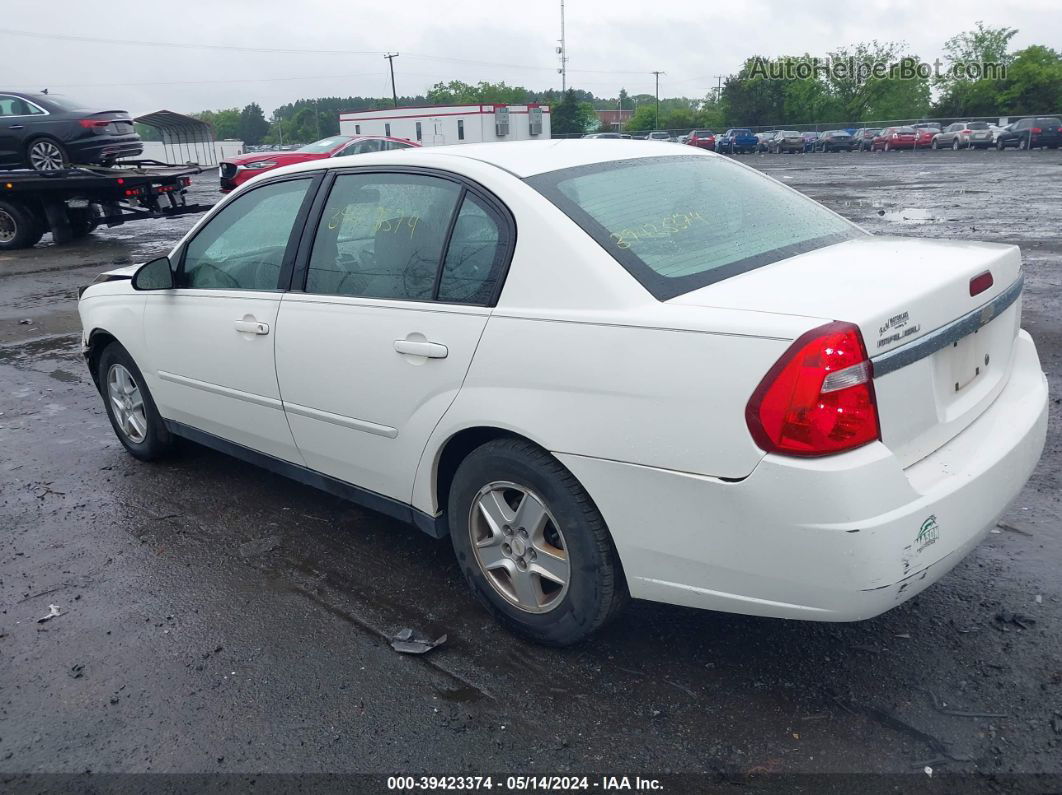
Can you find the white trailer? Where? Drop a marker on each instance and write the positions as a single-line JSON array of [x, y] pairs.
[[441, 125]]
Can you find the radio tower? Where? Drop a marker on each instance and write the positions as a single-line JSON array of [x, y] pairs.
[[563, 53]]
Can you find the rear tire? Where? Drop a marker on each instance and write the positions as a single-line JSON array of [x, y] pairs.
[[130, 407], [46, 154], [19, 226], [555, 580], [82, 222], [1023, 144], [955, 144], [1000, 146]]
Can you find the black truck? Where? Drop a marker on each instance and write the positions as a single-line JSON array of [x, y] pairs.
[[71, 202]]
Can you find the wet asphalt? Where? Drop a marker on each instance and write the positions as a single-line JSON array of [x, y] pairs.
[[217, 618]]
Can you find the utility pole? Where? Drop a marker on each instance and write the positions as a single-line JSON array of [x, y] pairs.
[[391, 61], [718, 86], [656, 120], [562, 51], [317, 114]]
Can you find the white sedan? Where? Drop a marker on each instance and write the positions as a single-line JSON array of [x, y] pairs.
[[605, 369]]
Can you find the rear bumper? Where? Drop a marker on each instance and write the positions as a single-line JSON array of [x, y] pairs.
[[840, 538], [98, 149]]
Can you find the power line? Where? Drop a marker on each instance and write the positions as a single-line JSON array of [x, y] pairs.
[[291, 51], [236, 81]]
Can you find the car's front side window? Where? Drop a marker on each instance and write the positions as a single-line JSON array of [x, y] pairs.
[[382, 236], [243, 246]]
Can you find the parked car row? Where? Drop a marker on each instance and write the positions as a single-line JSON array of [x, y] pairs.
[[1042, 132]]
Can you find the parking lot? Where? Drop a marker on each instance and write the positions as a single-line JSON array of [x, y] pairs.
[[214, 617]]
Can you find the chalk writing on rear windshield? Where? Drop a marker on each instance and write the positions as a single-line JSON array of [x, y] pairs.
[[668, 225]]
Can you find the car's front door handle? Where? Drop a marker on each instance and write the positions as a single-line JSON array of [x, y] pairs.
[[251, 326], [431, 350], [17, 127]]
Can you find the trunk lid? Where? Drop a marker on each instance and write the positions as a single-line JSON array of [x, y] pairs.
[[899, 291]]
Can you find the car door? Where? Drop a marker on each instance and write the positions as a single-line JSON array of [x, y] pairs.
[[210, 340], [399, 276], [12, 123]]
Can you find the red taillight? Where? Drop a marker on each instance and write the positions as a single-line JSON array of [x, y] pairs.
[[980, 283], [1036, 131], [90, 123], [818, 398]]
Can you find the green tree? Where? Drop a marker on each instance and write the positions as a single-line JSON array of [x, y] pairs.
[[1033, 83], [226, 123], [570, 116], [253, 124], [961, 94]]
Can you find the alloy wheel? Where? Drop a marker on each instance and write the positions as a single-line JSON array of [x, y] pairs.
[[46, 156], [127, 403], [519, 547], [8, 227]]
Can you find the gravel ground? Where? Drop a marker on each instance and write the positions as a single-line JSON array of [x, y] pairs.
[[216, 618]]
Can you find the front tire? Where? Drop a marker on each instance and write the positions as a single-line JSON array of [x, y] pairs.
[[46, 154], [130, 408], [532, 545]]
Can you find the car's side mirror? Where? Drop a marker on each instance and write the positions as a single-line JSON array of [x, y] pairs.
[[154, 275]]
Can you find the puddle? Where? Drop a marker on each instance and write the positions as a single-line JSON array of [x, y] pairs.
[[911, 215], [460, 695], [64, 376]]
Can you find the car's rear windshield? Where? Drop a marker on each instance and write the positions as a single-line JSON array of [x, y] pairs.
[[742, 132], [60, 103], [977, 125], [905, 129], [324, 145], [1049, 121], [703, 133], [679, 223], [789, 134]]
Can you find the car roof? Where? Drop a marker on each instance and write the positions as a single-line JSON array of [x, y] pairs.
[[521, 158]]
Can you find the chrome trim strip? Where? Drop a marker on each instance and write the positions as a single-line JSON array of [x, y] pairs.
[[342, 421], [948, 334], [224, 391]]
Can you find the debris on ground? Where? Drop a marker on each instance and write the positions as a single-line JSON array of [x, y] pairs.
[[53, 611], [1012, 529], [259, 546], [77, 671], [25, 322], [406, 641], [1005, 617], [1056, 723], [943, 709]]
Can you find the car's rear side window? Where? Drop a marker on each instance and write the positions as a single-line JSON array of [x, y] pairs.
[[682, 222]]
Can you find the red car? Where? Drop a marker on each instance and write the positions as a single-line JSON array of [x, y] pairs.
[[237, 170], [924, 135], [894, 138], [705, 139]]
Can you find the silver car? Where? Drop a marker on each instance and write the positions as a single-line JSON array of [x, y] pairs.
[[964, 135]]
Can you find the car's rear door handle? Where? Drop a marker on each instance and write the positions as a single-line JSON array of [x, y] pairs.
[[431, 350], [251, 326], [17, 127]]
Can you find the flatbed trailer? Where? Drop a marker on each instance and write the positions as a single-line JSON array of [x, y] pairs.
[[71, 202]]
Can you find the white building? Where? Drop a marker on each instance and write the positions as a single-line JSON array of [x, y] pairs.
[[439, 125]]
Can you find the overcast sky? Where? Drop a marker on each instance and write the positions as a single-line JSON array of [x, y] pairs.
[[611, 43]]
